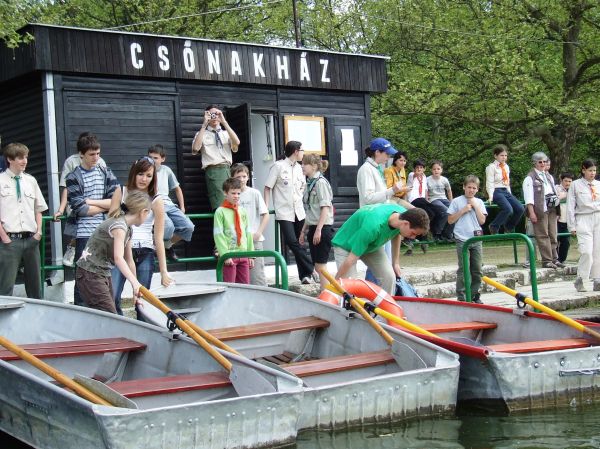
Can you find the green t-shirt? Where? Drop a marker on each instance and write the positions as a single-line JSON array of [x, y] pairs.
[[367, 229]]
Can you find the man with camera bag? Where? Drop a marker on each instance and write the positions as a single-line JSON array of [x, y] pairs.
[[541, 202], [215, 141]]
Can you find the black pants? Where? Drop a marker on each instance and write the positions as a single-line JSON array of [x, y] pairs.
[[290, 231], [563, 242]]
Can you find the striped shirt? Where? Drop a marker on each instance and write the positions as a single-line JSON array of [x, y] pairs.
[[93, 189]]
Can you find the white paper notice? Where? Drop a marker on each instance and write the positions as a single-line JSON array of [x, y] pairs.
[[306, 131], [349, 155]]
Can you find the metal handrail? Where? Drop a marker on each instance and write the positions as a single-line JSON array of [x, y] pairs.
[[512, 236], [279, 264], [48, 218]]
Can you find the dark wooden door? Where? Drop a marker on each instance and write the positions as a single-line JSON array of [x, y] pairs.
[[239, 120]]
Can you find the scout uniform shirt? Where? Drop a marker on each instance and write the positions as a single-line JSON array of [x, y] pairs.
[[216, 147], [18, 214], [318, 194], [288, 183]]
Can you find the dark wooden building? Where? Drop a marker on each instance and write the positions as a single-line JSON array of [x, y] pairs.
[[135, 90]]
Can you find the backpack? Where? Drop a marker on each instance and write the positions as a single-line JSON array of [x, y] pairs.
[[403, 288]]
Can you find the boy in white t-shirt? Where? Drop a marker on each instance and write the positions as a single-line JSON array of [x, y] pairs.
[[468, 214], [177, 225], [258, 217]]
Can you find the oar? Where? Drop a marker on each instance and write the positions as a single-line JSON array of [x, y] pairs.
[[553, 313], [245, 379], [400, 355], [53, 372]]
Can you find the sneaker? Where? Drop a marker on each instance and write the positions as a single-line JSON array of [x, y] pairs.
[[408, 252], [579, 285], [596, 285], [549, 265], [559, 264], [525, 264], [69, 256], [476, 299], [424, 247], [307, 280], [493, 230], [171, 254]]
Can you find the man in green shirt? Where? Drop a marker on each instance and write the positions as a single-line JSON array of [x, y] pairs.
[[363, 235]]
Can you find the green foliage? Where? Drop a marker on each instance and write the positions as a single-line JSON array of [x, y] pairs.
[[14, 14]]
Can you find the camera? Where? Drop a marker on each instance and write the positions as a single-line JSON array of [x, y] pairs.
[[213, 115]]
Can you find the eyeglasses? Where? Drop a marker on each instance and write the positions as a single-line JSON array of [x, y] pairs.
[[542, 162]]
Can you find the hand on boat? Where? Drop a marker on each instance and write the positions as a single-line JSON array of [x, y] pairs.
[[166, 280]]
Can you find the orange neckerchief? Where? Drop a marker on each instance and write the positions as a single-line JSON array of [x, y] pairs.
[[238, 221], [504, 174], [593, 190]]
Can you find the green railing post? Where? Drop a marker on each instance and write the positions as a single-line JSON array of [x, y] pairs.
[[495, 237], [279, 263]]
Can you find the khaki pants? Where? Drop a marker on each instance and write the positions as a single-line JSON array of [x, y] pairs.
[[377, 261], [257, 274], [546, 235]]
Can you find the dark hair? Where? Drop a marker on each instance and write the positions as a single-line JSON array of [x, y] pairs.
[[436, 162], [231, 183], [417, 219], [158, 149], [15, 150], [210, 106], [419, 163], [236, 168], [369, 152], [500, 148], [398, 155], [140, 166], [87, 141], [566, 175], [291, 147], [588, 163]]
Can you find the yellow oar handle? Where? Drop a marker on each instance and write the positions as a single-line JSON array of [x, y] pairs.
[[53, 372], [359, 308], [553, 313], [187, 329], [401, 321], [211, 338]]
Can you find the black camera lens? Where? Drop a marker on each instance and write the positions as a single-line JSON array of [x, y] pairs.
[[213, 115]]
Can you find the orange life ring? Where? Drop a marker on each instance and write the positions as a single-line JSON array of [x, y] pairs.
[[367, 290]]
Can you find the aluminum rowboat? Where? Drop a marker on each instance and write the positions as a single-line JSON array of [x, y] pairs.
[[523, 359], [346, 381]]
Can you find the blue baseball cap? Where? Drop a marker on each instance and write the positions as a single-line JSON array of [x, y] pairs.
[[381, 144]]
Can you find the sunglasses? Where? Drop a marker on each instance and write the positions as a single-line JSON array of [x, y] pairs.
[[145, 158]]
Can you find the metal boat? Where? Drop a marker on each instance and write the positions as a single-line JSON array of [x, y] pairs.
[[169, 393], [523, 359], [349, 374]]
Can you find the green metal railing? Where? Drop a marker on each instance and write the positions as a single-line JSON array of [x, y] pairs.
[[490, 238], [279, 264], [45, 268]]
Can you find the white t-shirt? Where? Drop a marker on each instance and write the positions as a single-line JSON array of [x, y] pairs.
[[165, 182], [254, 204]]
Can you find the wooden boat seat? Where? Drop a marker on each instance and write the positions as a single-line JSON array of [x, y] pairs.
[[189, 382], [74, 348], [539, 346], [269, 328], [440, 328]]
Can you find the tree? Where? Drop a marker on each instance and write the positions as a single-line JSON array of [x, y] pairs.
[[14, 14], [523, 73]]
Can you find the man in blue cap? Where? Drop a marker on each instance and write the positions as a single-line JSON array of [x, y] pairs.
[[370, 180]]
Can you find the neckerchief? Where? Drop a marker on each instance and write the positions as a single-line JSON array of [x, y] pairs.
[[238, 221], [504, 173]]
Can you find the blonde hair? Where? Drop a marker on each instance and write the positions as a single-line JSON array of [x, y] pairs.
[[135, 202], [315, 159]]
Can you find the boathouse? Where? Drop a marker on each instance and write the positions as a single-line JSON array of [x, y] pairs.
[[134, 90]]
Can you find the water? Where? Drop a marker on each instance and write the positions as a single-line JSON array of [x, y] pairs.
[[574, 428]]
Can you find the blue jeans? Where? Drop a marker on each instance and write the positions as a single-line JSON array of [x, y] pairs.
[[177, 223], [79, 247], [510, 210], [144, 267]]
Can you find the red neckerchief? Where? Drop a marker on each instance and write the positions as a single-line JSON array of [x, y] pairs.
[[238, 221]]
